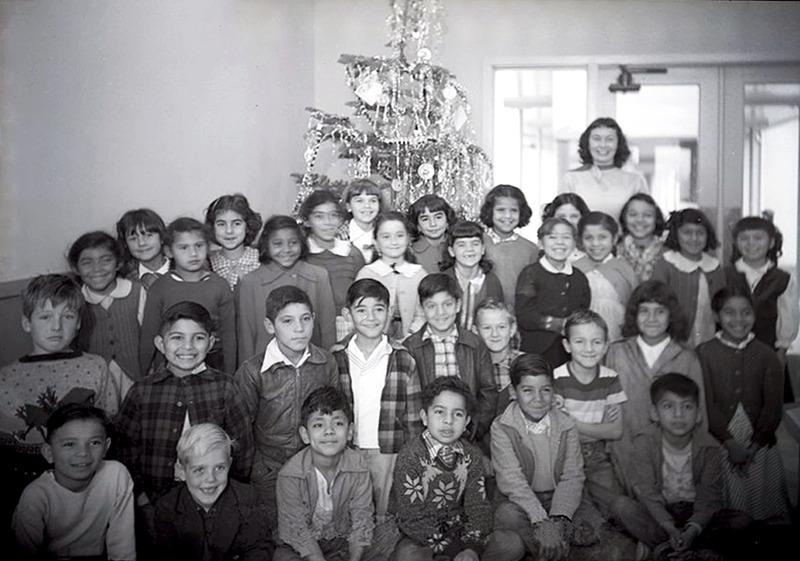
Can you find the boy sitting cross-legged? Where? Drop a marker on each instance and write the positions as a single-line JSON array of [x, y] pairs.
[[443, 348], [438, 494], [211, 517], [83, 507], [379, 379], [324, 491]]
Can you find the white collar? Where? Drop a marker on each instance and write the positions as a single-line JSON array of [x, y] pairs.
[[383, 348], [542, 426], [162, 270], [476, 281], [177, 277], [406, 269], [738, 346], [123, 289], [547, 266], [743, 267], [684, 265], [498, 240], [340, 247], [428, 334], [273, 355]]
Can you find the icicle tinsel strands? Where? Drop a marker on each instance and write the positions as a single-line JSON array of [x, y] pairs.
[[415, 23]]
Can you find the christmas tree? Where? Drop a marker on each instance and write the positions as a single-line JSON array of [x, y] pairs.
[[410, 125]]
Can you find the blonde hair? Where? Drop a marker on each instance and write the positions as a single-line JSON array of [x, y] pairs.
[[201, 439]]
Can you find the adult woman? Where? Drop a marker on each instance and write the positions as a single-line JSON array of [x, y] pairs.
[[601, 181]]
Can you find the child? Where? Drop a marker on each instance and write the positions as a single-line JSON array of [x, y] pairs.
[[210, 517], [431, 217], [234, 226], [110, 324], [362, 200], [439, 496], [504, 210], [186, 244], [379, 380], [539, 468], [83, 507], [754, 265], [744, 391], [691, 271], [324, 491], [497, 328], [654, 326], [275, 382], [182, 393], [677, 477], [51, 374], [642, 225], [397, 273], [550, 290], [141, 232], [611, 280], [572, 208], [468, 265], [441, 347], [323, 217], [282, 251]]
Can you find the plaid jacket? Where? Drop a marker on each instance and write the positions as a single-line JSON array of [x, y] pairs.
[[401, 400], [151, 419]]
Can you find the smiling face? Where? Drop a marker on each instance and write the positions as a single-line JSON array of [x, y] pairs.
[[505, 215], [441, 311], [284, 247], [369, 316], [652, 321], [76, 449], [534, 394], [446, 418], [569, 213], [391, 240], [185, 345], [587, 344], [432, 225], [496, 328], [188, 253], [145, 247], [97, 267], [327, 433], [640, 220], [52, 328], [603, 146], [558, 244], [677, 415], [292, 329], [364, 209], [467, 252], [736, 317], [754, 245], [230, 229], [598, 242], [692, 239], [206, 475], [323, 222]]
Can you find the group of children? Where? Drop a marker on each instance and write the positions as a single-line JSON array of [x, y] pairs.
[[387, 386]]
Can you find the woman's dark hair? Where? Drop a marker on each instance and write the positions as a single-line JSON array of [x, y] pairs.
[[433, 203], [272, 225], [573, 199], [759, 223], [661, 223], [239, 204], [689, 216], [623, 152], [91, 240], [487, 208], [464, 229], [660, 293]]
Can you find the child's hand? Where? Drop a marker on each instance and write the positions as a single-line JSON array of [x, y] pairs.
[[611, 413], [675, 536], [689, 534], [467, 555], [552, 545], [737, 453]]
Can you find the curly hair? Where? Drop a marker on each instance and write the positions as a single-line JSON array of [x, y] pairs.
[[659, 293], [239, 204], [487, 208], [679, 218], [623, 152]]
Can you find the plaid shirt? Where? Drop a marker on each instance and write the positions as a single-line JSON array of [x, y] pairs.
[[152, 416], [502, 369], [444, 352], [401, 400]]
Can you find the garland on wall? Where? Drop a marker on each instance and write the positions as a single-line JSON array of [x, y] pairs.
[[410, 123]]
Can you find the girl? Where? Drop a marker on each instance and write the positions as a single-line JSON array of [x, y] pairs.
[[691, 271], [234, 226], [549, 291], [744, 391], [282, 251], [572, 208], [611, 279], [642, 225], [362, 200], [468, 265], [111, 320], [322, 217], [140, 233], [397, 272], [431, 215], [503, 211], [654, 327]]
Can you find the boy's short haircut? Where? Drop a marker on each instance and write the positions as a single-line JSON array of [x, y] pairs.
[[324, 400], [529, 364], [67, 412], [585, 317], [492, 303], [438, 282], [674, 382], [55, 288], [187, 310], [366, 288], [282, 296], [201, 439], [183, 225], [451, 384]]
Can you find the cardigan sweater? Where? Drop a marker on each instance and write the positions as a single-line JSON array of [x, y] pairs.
[[342, 270], [509, 257]]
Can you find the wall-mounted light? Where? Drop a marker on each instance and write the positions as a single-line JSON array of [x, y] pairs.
[[625, 81]]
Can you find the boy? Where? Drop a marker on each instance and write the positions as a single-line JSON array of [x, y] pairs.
[[538, 465], [186, 244], [678, 474], [324, 491], [442, 348], [438, 495], [380, 382], [275, 383], [497, 328], [182, 393], [211, 517], [83, 507], [52, 374]]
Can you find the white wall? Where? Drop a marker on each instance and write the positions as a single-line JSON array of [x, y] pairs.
[[107, 105]]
